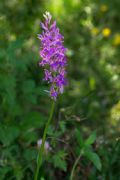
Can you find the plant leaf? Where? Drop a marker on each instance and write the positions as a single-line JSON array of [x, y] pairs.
[[92, 156], [8, 134], [91, 139], [79, 138], [59, 160]]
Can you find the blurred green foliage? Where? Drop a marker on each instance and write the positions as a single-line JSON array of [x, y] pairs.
[[90, 102]]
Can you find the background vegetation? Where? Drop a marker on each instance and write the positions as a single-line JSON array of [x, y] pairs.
[[90, 104]]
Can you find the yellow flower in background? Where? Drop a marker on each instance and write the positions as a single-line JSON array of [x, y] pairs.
[[103, 8], [94, 31], [12, 37], [115, 114], [106, 32], [116, 40]]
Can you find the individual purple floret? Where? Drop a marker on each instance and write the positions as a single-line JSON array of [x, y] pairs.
[[52, 52], [47, 146]]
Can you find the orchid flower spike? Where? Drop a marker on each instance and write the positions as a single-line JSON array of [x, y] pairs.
[[52, 52]]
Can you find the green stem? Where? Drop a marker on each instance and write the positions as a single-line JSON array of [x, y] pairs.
[[41, 150], [74, 165]]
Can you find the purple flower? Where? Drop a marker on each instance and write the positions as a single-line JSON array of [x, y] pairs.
[[52, 52], [47, 146]]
